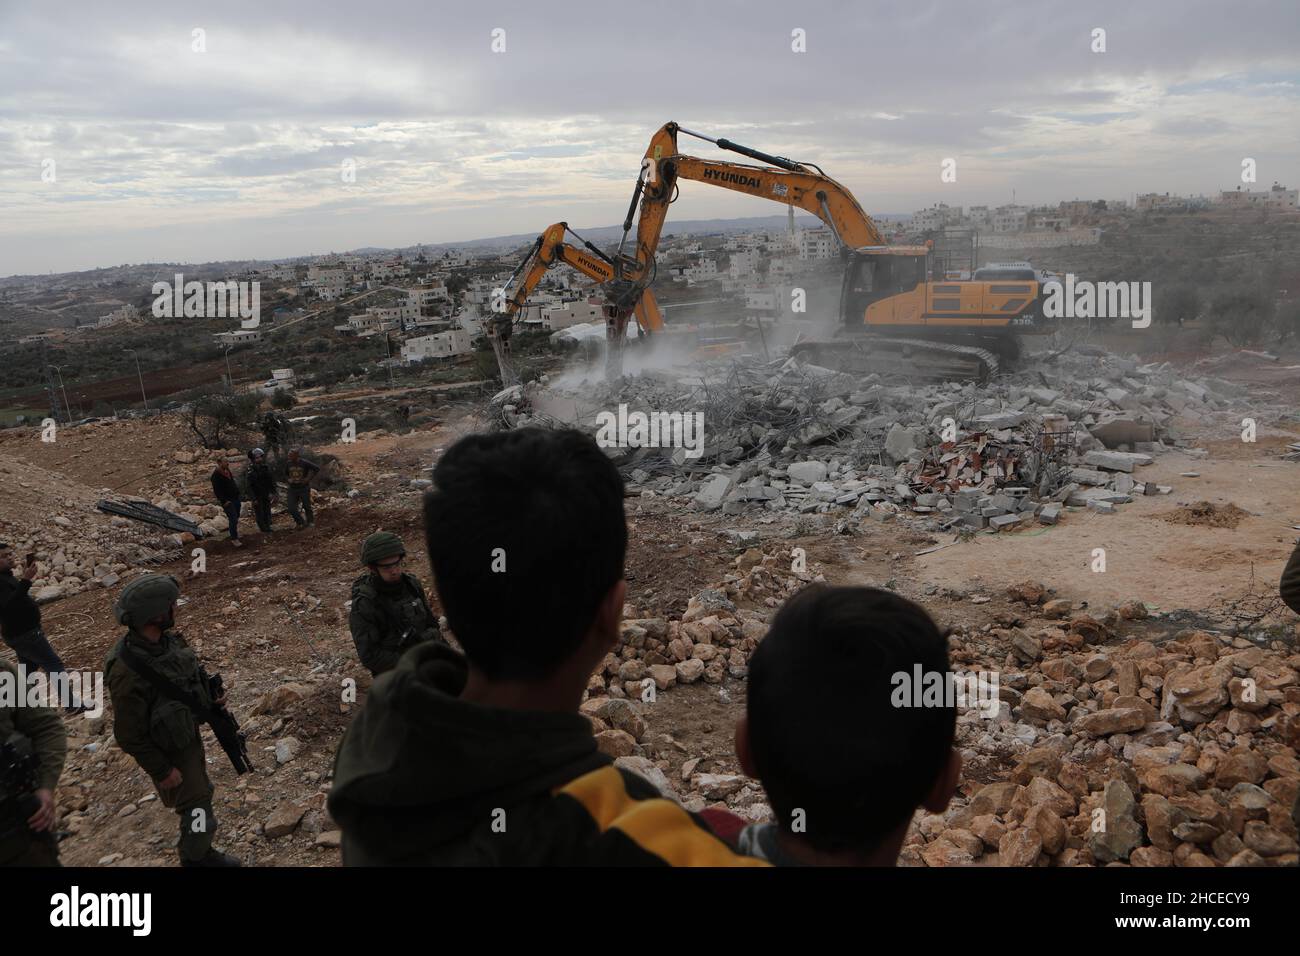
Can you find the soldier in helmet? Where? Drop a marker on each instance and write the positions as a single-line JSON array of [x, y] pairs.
[[389, 609], [143, 670]]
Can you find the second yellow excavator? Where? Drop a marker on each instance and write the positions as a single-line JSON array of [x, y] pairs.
[[912, 321], [549, 250]]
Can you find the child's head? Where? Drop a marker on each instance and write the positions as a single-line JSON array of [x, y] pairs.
[[822, 731], [527, 538]]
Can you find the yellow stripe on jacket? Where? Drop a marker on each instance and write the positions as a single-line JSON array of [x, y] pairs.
[[657, 825]]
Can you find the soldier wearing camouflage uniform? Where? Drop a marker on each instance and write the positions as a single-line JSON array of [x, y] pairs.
[[162, 734], [27, 820], [389, 609]]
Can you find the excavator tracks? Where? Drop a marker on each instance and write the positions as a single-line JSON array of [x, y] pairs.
[[929, 359]]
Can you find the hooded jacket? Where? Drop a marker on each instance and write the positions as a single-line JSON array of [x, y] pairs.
[[424, 778]]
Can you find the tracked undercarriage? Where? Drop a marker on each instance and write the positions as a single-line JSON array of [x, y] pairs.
[[918, 358]]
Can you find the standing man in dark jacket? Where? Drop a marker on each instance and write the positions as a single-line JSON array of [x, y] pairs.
[[20, 618], [226, 489], [159, 732], [389, 610], [261, 488], [1290, 588], [300, 473]]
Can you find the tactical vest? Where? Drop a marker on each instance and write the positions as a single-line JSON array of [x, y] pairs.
[[172, 725], [393, 624]]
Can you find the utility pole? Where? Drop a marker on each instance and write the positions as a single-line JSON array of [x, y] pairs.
[[230, 379], [51, 398], [59, 370], [388, 346], [143, 396]]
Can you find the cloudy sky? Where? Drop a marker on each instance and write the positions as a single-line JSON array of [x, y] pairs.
[[159, 152]]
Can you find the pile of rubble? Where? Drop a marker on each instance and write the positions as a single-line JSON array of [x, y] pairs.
[[1178, 753], [1104, 750], [789, 437], [76, 547]]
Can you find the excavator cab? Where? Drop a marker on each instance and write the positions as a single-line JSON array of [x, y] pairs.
[[875, 275]]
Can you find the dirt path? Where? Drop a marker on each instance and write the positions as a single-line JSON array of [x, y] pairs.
[[1149, 559]]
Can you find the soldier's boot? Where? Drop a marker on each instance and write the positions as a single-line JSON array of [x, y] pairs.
[[214, 857]]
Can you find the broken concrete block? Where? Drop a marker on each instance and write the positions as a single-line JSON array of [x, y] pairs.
[[1004, 521], [710, 495], [807, 472], [1116, 460], [1090, 476], [902, 441], [1123, 431], [1050, 513], [1102, 507]]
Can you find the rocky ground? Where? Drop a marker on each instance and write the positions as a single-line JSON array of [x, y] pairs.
[[1175, 711]]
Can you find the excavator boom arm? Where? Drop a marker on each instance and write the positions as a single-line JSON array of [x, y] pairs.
[[785, 182]]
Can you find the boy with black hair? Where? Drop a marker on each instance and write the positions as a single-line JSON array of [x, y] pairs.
[[844, 763], [483, 758]]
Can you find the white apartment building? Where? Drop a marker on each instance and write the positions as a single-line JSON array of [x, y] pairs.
[[816, 244], [743, 263], [329, 291], [324, 275], [701, 271], [427, 296], [439, 345], [572, 313], [387, 270], [936, 217], [1010, 218]]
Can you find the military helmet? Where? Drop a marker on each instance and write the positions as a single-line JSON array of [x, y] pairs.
[[380, 545], [146, 598], [256, 453]]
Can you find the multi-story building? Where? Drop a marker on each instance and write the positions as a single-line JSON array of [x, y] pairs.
[[1155, 202], [427, 296], [330, 291], [439, 345], [1278, 197], [744, 263], [573, 313], [702, 271], [816, 244], [936, 217], [394, 314], [127, 313], [1010, 218]]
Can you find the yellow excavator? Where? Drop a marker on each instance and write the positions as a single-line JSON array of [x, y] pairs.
[[901, 318], [549, 250]]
